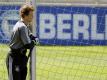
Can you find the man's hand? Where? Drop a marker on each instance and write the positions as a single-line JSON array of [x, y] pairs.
[[34, 39]]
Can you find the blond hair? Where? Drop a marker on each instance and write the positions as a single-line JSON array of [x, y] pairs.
[[25, 9]]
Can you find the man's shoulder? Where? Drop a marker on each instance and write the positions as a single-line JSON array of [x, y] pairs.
[[20, 24]]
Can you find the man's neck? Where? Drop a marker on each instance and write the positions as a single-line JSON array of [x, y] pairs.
[[25, 22]]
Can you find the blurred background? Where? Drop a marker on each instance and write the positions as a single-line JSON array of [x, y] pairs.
[[74, 62], [61, 1]]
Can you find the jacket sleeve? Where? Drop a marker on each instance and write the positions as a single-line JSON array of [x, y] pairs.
[[28, 43]]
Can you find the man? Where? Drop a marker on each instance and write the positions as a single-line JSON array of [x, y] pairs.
[[21, 40]]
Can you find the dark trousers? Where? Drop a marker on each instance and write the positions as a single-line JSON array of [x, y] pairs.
[[16, 66]]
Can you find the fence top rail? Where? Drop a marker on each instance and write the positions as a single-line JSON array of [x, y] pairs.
[[11, 3], [72, 4], [57, 4]]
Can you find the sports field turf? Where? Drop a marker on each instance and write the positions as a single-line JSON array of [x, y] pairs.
[[65, 62]]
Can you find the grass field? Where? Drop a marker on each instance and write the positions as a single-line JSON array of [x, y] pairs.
[[65, 63]]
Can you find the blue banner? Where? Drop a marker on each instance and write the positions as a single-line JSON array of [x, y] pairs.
[[69, 25], [9, 15]]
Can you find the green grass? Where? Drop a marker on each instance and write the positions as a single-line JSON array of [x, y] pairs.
[[71, 63], [65, 63], [3, 71]]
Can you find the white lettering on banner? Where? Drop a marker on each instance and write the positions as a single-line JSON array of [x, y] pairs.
[[106, 27], [50, 26], [80, 29], [94, 33], [55, 25], [61, 26]]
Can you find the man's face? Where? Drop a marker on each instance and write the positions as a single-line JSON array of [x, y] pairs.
[[29, 18]]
